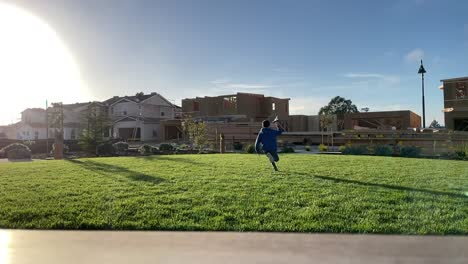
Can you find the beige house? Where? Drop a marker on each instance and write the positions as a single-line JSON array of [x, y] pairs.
[[139, 117]]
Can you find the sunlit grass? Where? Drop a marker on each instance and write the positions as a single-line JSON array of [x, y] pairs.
[[312, 193]]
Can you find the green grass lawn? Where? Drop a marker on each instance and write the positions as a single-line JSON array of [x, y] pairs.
[[238, 192]]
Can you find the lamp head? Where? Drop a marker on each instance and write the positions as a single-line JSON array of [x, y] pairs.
[[421, 69]]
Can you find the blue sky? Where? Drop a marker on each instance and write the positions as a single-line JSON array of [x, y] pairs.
[[309, 51]]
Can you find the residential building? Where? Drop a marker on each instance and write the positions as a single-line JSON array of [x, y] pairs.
[[139, 117], [131, 118], [32, 125], [456, 103]]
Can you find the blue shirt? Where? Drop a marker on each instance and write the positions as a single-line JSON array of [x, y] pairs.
[[267, 137]]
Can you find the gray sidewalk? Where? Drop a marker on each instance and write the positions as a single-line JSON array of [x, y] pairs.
[[18, 246]]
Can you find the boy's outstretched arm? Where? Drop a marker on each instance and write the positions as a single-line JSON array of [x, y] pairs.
[[258, 141], [280, 128]]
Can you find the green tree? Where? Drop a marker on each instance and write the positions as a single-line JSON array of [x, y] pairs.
[[95, 127], [55, 119], [339, 106], [326, 122], [196, 131]]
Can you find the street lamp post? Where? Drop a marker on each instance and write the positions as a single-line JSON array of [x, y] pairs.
[[422, 71]]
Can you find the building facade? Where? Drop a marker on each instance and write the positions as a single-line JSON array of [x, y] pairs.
[[244, 107], [386, 120], [456, 103]]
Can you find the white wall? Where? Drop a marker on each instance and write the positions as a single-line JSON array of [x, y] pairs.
[[147, 132], [67, 133], [26, 132], [32, 116], [118, 109]]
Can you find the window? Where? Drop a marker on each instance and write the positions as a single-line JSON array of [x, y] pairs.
[[162, 113], [460, 91], [196, 106], [36, 134], [230, 102], [273, 106], [73, 134], [124, 113]]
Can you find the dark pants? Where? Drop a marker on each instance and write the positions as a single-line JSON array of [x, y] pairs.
[[274, 155]]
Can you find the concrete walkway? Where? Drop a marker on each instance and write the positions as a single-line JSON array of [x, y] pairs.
[[21, 247]]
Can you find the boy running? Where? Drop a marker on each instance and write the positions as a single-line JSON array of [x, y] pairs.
[[267, 138]]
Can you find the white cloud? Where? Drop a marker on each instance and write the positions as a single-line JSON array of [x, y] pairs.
[[227, 86], [414, 56], [248, 86], [306, 105], [219, 81], [365, 75]]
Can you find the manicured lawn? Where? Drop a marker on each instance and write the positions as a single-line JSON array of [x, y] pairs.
[[313, 193]]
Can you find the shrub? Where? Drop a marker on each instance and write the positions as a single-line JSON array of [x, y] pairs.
[[383, 150], [120, 147], [323, 148], [307, 148], [145, 149], [341, 148], [355, 150], [250, 148], [237, 146], [410, 151], [287, 149], [166, 147], [15, 146], [16, 154], [105, 149], [16, 151], [457, 155], [183, 147]]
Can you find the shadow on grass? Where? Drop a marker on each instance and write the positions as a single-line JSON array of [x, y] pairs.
[[168, 158], [114, 169], [393, 187]]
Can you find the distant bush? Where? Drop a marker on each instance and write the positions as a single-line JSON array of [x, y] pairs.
[[341, 148], [237, 146], [410, 151], [15, 146], [457, 155], [355, 150], [145, 149], [16, 154], [307, 148], [183, 147], [323, 148], [166, 147], [249, 148], [120, 147], [105, 149], [383, 150], [16, 151], [287, 149]]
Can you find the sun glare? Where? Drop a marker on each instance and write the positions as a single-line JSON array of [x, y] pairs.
[[4, 246], [35, 65]]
